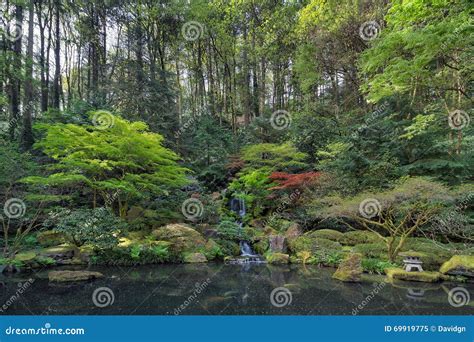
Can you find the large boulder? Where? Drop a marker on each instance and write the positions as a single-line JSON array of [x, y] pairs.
[[25, 257], [277, 258], [293, 231], [73, 276], [182, 237], [400, 274], [350, 269], [277, 243], [462, 265], [195, 258], [58, 253]]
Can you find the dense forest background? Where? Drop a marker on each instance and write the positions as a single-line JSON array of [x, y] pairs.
[[286, 104]]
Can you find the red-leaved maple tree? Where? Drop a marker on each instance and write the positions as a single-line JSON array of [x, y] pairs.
[[287, 181]]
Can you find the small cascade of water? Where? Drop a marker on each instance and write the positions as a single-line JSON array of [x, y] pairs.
[[237, 205], [246, 250]]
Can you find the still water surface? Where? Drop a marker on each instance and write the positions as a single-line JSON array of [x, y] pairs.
[[219, 289]]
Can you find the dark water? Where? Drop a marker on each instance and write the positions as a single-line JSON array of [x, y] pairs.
[[218, 289]]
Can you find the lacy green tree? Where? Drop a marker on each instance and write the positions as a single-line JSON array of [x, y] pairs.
[[115, 160]]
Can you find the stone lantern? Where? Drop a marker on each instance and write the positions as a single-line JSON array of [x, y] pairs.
[[412, 262]]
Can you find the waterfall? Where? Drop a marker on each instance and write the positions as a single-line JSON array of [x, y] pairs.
[[237, 205], [245, 249]]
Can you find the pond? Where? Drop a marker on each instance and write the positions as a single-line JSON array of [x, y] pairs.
[[220, 289]]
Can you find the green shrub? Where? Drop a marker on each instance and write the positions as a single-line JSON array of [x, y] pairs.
[[329, 234], [378, 266], [30, 241], [135, 252], [230, 230], [45, 261], [97, 227], [309, 243], [356, 237], [228, 247], [134, 255], [212, 250], [261, 246], [372, 250]]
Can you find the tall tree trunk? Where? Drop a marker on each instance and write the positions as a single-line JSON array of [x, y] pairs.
[[27, 139], [57, 57], [15, 81]]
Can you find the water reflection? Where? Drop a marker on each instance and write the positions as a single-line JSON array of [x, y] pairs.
[[230, 289]]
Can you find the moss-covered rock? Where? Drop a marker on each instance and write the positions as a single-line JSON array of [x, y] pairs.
[[356, 237], [329, 234], [277, 258], [182, 238], [277, 244], [73, 276], [84, 253], [61, 252], [462, 265], [25, 257], [400, 274], [212, 250], [195, 258], [293, 231], [50, 238], [350, 269]]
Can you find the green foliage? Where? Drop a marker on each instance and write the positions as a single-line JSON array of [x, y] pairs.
[[260, 161], [117, 158], [98, 227], [207, 146], [273, 157], [378, 266], [14, 165], [376, 250], [213, 250], [328, 234], [230, 230], [417, 44], [228, 247], [133, 255], [355, 237], [253, 187]]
